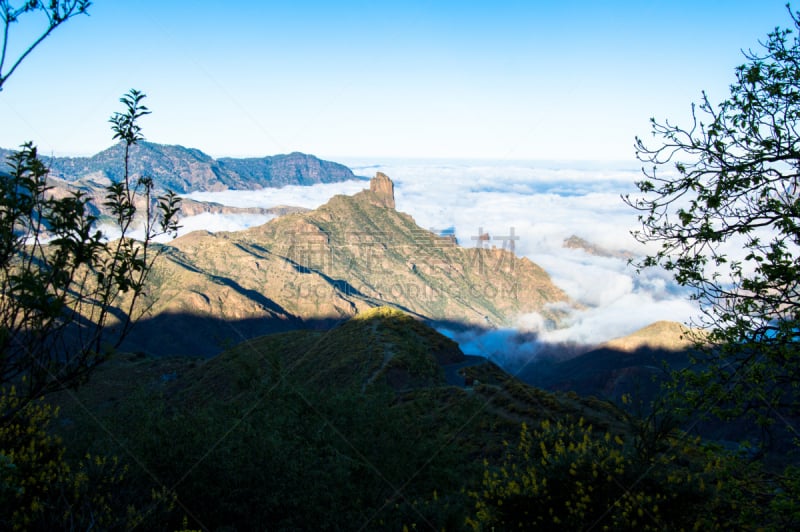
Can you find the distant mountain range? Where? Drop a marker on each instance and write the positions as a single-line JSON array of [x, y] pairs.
[[576, 242], [184, 170]]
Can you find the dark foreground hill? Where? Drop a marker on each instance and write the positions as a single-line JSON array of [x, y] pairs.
[[633, 364], [355, 427], [359, 428]]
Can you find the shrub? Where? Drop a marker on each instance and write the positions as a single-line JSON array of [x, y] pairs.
[[40, 490], [566, 476]]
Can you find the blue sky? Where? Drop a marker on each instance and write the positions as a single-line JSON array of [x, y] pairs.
[[570, 80]]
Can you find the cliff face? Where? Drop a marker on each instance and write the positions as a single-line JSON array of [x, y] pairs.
[[383, 189]]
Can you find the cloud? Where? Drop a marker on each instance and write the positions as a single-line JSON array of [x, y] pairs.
[[201, 222], [497, 345], [309, 197], [222, 222], [542, 204]]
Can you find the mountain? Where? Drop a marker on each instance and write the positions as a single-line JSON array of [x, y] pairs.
[[632, 364], [184, 170], [94, 188], [661, 335], [313, 269], [378, 348], [280, 170], [190, 207], [576, 242]]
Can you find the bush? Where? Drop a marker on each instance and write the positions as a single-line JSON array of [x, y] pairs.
[[565, 476], [40, 490]]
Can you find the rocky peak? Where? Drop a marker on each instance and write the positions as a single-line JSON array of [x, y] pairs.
[[383, 189]]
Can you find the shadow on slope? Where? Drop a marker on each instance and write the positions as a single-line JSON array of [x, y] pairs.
[[606, 373], [635, 364], [170, 334], [316, 429], [342, 350]]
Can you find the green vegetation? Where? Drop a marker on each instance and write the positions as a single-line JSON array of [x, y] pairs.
[[566, 475], [34, 475], [41, 489], [257, 436], [277, 431], [721, 200], [61, 282], [270, 441]]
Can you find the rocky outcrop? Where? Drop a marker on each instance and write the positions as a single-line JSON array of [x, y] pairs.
[[381, 191], [576, 242]]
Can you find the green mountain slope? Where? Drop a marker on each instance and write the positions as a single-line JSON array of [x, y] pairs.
[[379, 347], [354, 426]]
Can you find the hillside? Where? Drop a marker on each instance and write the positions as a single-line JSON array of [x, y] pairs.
[[356, 428], [184, 170], [632, 364], [313, 429], [382, 347], [315, 268], [661, 335]]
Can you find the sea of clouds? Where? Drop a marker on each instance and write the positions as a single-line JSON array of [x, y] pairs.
[[540, 203]]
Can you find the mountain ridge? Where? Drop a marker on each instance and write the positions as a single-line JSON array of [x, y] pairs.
[[306, 419], [322, 266], [184, 170], [632, 364]]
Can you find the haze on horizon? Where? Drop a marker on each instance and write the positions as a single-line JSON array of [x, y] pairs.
[[573, 80]]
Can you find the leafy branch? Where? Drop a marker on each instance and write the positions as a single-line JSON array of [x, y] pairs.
[[721, 202], [62, 283], [56, 12]]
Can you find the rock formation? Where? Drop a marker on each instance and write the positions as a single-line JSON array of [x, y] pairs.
[[383, 189]]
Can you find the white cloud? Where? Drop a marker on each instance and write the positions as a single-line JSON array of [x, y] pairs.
[[309, 197], [201, 222], [222, 222]]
